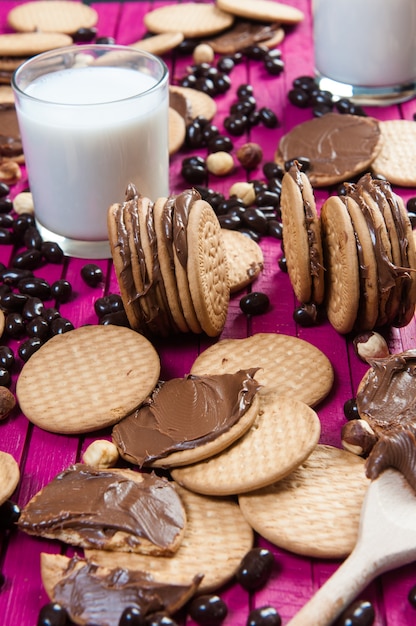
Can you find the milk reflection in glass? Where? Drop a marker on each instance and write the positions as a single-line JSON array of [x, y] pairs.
[[370, 43], [87, 132]]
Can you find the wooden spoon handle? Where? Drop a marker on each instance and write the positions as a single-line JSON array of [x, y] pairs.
[[337, 593]]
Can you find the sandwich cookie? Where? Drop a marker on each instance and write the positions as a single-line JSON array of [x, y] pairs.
[[302, 237]]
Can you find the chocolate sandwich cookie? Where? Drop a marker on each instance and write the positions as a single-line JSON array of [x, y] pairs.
[[112, 509], [338, 146], [302, 237]]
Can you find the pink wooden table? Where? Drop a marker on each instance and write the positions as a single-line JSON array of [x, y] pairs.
[[42, 455]]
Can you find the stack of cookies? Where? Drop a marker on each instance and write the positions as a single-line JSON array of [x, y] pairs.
[[360, 251], [170, 263]]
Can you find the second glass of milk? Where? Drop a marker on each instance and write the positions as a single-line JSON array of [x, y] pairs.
[[93, 119], [366, 49]]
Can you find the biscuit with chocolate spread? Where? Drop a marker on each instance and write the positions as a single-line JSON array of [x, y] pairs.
[[283, 435], [93, 594], [206, 517], [326, 492], [278, 357], [302, 237], [245, 33], [100, 374], [188, 419], [111, 509], [338, 146], [386, 401], [189, 18], [9, 475]]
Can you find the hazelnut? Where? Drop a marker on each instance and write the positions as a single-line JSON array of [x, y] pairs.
[[370, 345], [10, 172], [101, 454], [244, 191], [23, 203], [358, 437], [220, 163], [250, 155], [7, 402], [203, 53]]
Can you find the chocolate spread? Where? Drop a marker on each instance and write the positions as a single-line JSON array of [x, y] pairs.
[[334, 143], [10, 143], [184, 413], [92, 596], [242, 35], [98, 503], [386, 399]]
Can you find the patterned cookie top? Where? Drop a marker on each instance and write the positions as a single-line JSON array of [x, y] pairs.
[[282, 359], [244, 257], [284, 434], [316, 510], [57, 16], [189, 18], [28, 44], [262, 10], [217, 519], [87, 379], [397, 157]]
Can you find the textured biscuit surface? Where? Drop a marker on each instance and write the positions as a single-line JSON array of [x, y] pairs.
[[57, 16], [343, 285], [9, 476], [22, 44], [279, 357], [218, 519], [87, 379], [262, 10], [284, 434], [397, 157], [244, 257], [189, 18], [314, 511]]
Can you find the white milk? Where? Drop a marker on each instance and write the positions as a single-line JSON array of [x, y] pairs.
[[368, 43], [82, 151]]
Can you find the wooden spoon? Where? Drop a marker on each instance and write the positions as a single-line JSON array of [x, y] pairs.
[[386, 540]]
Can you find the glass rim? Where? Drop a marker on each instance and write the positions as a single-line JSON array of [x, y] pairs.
[[85, 48]]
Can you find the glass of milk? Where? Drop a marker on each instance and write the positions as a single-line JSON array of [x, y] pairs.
[[366, 49], [92, 118]]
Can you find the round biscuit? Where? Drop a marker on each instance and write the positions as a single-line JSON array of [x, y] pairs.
[[200, 103], [245, 33], [284, 434], [315, 511], [57, 16], [244, 257], [338, 146], [262, 10], [218, 519], [28, 44], [9, 476], [207, 268], [87, 379], [282, 359], [159, 44], [396, 160], [189, 18], [341, 263]]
